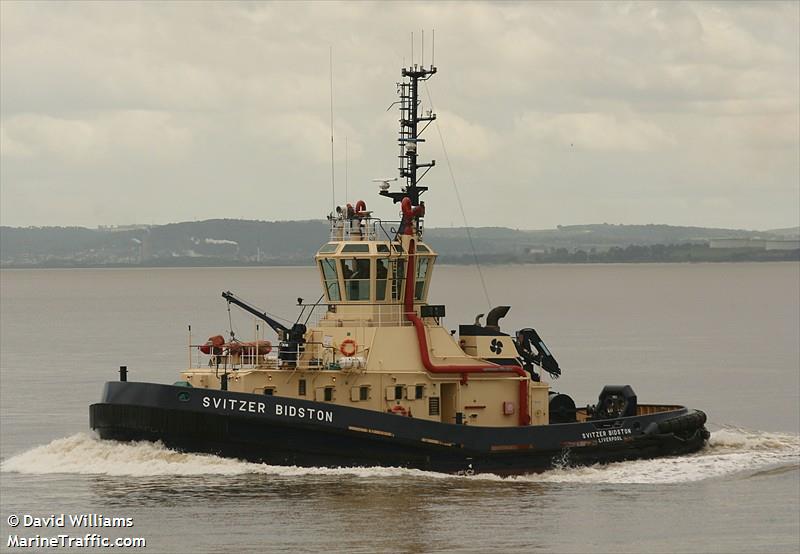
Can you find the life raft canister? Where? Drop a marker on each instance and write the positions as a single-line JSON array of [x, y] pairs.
[[348, 347], [212, 344], [262, 347]]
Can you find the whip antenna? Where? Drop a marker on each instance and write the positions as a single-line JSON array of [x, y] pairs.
[[433, 47], [333, 179]]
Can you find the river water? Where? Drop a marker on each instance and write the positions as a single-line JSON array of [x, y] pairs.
[[720, 337]]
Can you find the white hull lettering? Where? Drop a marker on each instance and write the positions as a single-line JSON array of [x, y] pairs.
[[607, 435], [235, 405], [252, 407], [304, 413]]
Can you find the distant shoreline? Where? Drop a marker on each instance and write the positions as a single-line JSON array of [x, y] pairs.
[[242, 243], [443, 263]]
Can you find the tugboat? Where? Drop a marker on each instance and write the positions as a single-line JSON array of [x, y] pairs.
[[377, 380]]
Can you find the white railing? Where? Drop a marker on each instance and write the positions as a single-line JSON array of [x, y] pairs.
[[366, 229], [223, 358], [311, 356], [367, 315]]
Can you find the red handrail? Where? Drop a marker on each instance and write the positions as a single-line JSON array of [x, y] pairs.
[[422, 339]]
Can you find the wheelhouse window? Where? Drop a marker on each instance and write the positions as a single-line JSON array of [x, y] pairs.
[[381, 278], [328, 267], [423, 263], [356, 248], [328, 248], [399, 276], [356, 278]]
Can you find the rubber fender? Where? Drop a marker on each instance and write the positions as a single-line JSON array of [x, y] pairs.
[[684, 422]]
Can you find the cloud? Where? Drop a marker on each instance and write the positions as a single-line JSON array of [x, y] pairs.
[[556, 103], [465, 139], [594, 131], [11, 148], [96, 138]]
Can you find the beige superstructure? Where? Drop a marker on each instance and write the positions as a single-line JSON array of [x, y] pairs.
[[364, 352]]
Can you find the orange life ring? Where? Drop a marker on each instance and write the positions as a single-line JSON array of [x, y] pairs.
[[348, 347]]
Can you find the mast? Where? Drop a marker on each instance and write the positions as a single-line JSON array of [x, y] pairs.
[[409, 140]]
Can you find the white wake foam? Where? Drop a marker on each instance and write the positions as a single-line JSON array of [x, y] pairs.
[[730, 451], [85, 454]]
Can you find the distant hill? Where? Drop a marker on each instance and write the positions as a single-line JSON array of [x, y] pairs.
[[788, 232], [576, 237], [244, 242], [189, 243]]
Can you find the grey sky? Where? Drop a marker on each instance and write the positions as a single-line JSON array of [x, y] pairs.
[[116, 113]]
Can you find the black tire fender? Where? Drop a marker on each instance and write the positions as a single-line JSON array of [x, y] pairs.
[[685, 422]]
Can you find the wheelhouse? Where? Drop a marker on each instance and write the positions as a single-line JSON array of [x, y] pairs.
[[372, 272]]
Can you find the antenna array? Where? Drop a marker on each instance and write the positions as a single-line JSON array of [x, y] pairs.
[[412, 124]]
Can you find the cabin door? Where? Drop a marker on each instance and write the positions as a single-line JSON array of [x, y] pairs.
[[449, 395]]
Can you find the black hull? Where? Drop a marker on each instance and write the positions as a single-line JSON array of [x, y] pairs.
[[284, 431]]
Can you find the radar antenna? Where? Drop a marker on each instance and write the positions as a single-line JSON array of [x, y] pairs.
[[384, 183]]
